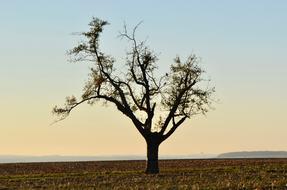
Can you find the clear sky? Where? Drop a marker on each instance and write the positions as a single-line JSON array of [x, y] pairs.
[[243, 46]]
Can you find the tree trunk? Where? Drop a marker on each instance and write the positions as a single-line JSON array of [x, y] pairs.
[[152, 157]]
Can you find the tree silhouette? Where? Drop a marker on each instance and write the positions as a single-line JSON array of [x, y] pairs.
[[157, 106]]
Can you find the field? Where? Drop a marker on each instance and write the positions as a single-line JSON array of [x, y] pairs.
[[175, 174]]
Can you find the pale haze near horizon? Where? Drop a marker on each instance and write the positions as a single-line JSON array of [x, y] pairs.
[[242, 45]]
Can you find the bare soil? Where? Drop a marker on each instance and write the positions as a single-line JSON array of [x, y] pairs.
[[174, 174]]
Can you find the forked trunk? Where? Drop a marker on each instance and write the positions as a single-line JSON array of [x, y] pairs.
[[152, 157]]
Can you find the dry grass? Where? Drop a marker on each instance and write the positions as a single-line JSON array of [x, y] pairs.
[[175, 174]]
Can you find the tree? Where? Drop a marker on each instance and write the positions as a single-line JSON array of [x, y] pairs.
[[156, 106]]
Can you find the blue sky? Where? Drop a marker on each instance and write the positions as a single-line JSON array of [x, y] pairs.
[[243, 49]]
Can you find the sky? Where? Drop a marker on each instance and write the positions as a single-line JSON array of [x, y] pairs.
[[242, 46]]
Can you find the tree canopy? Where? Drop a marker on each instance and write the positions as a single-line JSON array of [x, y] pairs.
[[136, 90]]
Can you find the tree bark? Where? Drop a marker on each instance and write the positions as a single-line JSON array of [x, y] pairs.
[[152, 157]]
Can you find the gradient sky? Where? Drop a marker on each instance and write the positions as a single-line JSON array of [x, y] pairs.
[[242, 44]]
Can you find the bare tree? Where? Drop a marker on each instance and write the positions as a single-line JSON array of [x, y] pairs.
[[156, 106]]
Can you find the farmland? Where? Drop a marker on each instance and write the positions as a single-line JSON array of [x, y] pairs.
[[175, 174]]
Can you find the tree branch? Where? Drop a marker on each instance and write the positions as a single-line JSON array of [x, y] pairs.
[[175, 106], [174, 127], [140, 106], [136, 56]]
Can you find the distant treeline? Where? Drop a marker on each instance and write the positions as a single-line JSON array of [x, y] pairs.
[[254, 154]]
